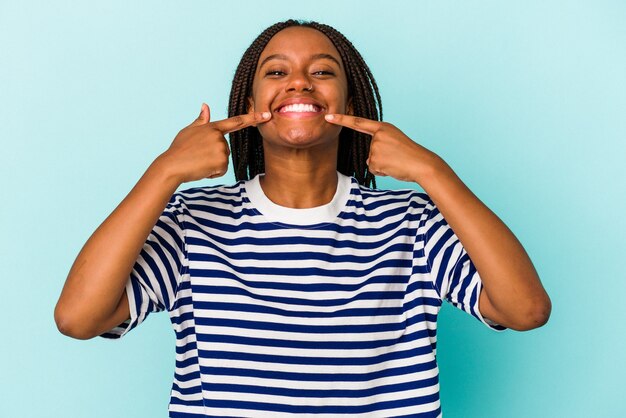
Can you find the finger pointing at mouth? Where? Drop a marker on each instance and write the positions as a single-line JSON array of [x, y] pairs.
[[242, 121], [366, 126]]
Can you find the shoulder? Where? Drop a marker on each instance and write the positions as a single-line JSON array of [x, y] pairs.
[[205, 198], [412, 199]]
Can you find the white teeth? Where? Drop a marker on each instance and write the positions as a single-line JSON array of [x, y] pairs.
[[299, 107]]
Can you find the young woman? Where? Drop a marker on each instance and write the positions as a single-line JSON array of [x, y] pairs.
[[300, 289]]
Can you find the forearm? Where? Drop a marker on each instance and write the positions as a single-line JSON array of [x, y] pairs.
[[99, 274], [509, 277], [96, 282]]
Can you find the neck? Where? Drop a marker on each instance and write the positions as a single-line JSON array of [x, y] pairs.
[[300, 180]]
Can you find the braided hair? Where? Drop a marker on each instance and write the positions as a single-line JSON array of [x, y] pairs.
[[247, 145]]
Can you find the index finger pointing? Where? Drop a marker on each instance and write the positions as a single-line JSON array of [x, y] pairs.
[[241, 121], [367, 126]]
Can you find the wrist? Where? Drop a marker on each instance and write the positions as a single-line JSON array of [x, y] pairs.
[[431, 166], [161, 168], [439, 178]]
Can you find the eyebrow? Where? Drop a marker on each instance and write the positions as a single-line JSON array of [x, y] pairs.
[[313, 57]]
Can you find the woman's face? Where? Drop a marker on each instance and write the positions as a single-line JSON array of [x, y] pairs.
[[299, 78]]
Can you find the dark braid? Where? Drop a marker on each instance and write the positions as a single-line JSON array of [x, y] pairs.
[[246, 145]]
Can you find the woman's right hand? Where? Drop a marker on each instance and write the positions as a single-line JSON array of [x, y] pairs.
[[94, 299], [200, 149]]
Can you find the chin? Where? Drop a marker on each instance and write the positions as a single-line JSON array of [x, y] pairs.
[[294, 136], [298, 136]]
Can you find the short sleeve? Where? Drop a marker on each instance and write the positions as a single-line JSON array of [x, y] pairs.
[[452, 272], [158, 270]]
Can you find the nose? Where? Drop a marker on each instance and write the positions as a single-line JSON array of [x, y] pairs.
[[299, 81]]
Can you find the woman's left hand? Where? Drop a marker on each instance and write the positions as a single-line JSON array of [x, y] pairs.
[[392, 153]]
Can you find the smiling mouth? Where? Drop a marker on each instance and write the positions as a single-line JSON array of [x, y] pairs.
[[299, 110]]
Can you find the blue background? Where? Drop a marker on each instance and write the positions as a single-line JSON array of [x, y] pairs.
[[526, 101]]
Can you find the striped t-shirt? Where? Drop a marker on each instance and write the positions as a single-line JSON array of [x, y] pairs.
[[325, 311]]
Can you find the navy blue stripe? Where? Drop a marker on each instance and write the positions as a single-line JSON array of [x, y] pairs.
[[184, 333], [155, 270], [317, 393], [303, 376], [175, 414], [441, 274], [306, 271], [400, 198], [311, 345], [322, 409], [403, 249], [177, 401], [338, 228], [228, 290], [421, 301], [475, 292], [401, 260], [137, 298], [224, 212], [369, 193], [187, 390], [319, 361], [138, 275], [232, 200], [184, 349], [178, 319], [187, 377], [364, 217], [430, 414], [301, 328], [174, 234], [181, 364], [297, 285], [244, 307], [457, 278], [296, 240], [418, 285]]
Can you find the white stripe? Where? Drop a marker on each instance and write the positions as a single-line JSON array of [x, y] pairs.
[[383, 303], [317, 385], [319, 355], [300, 401], [315, 368]]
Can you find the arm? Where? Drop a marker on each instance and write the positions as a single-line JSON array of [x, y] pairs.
[[93, 299], [512, 293]]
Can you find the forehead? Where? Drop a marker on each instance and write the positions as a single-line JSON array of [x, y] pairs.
[[299, 42]]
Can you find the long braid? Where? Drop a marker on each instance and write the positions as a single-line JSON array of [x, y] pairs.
[[247, 145]]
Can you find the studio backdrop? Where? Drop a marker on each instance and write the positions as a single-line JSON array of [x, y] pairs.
[[525, 100]]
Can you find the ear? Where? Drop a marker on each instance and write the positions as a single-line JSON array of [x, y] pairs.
[[349, 108], [250, 105]]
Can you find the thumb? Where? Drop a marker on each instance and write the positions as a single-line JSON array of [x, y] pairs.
[[205, 115]]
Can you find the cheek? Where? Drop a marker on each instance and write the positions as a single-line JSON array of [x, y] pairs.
[[265, 130], [262, 97], [341, 98]]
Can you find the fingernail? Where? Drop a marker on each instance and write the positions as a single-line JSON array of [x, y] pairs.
[[329, 117], [266, 115]]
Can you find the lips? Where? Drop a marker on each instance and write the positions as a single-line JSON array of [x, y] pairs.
[[299, 105], [300, 108]]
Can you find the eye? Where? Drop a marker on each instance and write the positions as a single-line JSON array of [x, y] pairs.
[[275, 73], [323, 72]]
